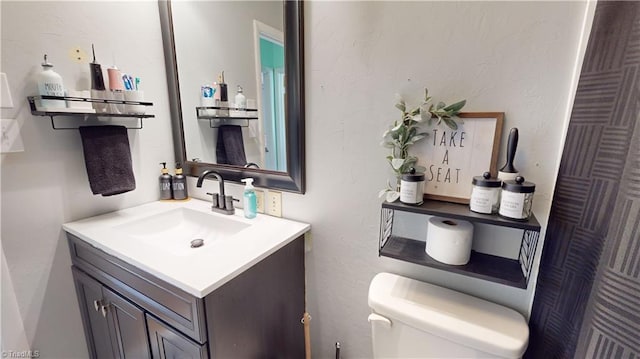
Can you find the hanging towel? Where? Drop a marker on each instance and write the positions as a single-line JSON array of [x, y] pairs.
[[230, 146], [108, 159]]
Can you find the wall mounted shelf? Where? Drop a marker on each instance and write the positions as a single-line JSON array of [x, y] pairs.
[[489, 267], [79, 113], [224, 115]]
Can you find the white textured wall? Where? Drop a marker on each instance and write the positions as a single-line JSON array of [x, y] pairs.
[[46, 185], [516, 57]]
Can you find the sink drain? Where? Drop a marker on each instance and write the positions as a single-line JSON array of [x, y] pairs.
[[197, 243]]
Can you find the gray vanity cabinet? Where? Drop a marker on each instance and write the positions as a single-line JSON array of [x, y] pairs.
[[114, 327], [129, 313], [166, 343], [96, 328]]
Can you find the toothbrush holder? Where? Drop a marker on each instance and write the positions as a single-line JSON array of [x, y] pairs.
[[134, 95]]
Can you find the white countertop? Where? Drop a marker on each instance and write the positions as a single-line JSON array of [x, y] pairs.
[[201, 271]]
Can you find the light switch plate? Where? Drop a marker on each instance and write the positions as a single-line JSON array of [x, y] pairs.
[[273, 206], [10, 139], [5, 94], [260, 201]]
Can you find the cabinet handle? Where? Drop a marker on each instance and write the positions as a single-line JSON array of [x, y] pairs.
[[97, 304], [104, 309]]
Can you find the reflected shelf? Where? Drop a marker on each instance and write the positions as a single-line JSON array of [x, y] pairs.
[[221, 115]]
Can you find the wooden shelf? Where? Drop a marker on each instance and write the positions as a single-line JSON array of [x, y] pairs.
[[483, 266], [461, 211]]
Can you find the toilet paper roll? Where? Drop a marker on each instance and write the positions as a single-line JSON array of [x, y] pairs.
[[449, 240]]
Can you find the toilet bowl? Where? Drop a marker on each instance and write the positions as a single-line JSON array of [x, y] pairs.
[[412, 319]]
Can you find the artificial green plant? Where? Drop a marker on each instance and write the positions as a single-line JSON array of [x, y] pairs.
[[406, 132]]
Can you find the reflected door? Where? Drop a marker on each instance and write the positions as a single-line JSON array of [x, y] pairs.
[[271, 95]]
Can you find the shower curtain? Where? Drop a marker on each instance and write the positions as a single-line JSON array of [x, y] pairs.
[[587, 300]]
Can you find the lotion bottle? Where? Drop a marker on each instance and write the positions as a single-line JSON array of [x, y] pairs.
[[165, 182], [179, 184], [250, 199]]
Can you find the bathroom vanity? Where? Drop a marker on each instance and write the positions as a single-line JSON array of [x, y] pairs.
[[144, 291]]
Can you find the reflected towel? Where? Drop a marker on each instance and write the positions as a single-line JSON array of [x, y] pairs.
[[108, 159], [230, 146]]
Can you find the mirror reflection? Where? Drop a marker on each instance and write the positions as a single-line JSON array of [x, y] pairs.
[[230, 64]]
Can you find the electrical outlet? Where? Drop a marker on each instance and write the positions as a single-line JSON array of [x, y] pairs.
[[273, 206], [77, 54], [10, 140], [260, 201]]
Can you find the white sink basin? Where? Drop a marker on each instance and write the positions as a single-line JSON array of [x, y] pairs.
[[174, 230], [156, 237]]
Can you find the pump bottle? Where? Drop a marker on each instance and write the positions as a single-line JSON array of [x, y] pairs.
[[50, 84], [179, 184], [165, 183], [250, 200]]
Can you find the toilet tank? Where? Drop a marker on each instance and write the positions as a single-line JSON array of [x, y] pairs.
[[412, 319]]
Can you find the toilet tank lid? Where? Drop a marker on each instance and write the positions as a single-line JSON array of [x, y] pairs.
[[455, 316]]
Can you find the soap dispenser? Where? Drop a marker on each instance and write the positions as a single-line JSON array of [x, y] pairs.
[[50, 84], [250, 199], [179, 184], [165, 182]]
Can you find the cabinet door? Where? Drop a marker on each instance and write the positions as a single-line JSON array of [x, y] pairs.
[[166, 343], [127, 325], [96, 329]]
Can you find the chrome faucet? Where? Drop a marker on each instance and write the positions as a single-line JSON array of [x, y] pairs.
[[220, 203]]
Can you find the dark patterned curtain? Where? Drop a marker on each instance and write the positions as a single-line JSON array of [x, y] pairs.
[[587, 301]]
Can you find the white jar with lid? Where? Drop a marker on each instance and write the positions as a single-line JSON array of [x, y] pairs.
[[412, 187], [485, 196], [517, 198]]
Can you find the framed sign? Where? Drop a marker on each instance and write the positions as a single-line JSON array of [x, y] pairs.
[[453, 157]]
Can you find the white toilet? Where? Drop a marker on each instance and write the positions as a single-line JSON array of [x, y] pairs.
[[412, 319]]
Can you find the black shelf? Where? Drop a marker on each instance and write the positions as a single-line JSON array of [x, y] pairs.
[[483, 266], [223, 119], [52, 114], [515, 273], [461, 211], [226, 108]]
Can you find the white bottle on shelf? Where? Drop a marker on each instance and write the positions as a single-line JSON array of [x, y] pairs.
[[50, 84], [240, 103]]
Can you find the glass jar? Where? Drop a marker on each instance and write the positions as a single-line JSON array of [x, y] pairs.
[[517, 198], [485, 196]]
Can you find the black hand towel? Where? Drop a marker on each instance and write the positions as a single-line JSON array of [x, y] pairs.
[[230, 146], [108, 159]]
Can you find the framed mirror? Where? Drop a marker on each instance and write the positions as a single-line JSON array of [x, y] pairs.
[[259, 46]]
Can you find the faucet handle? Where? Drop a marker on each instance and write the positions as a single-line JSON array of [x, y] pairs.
[[228, 203], [214, 199]]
